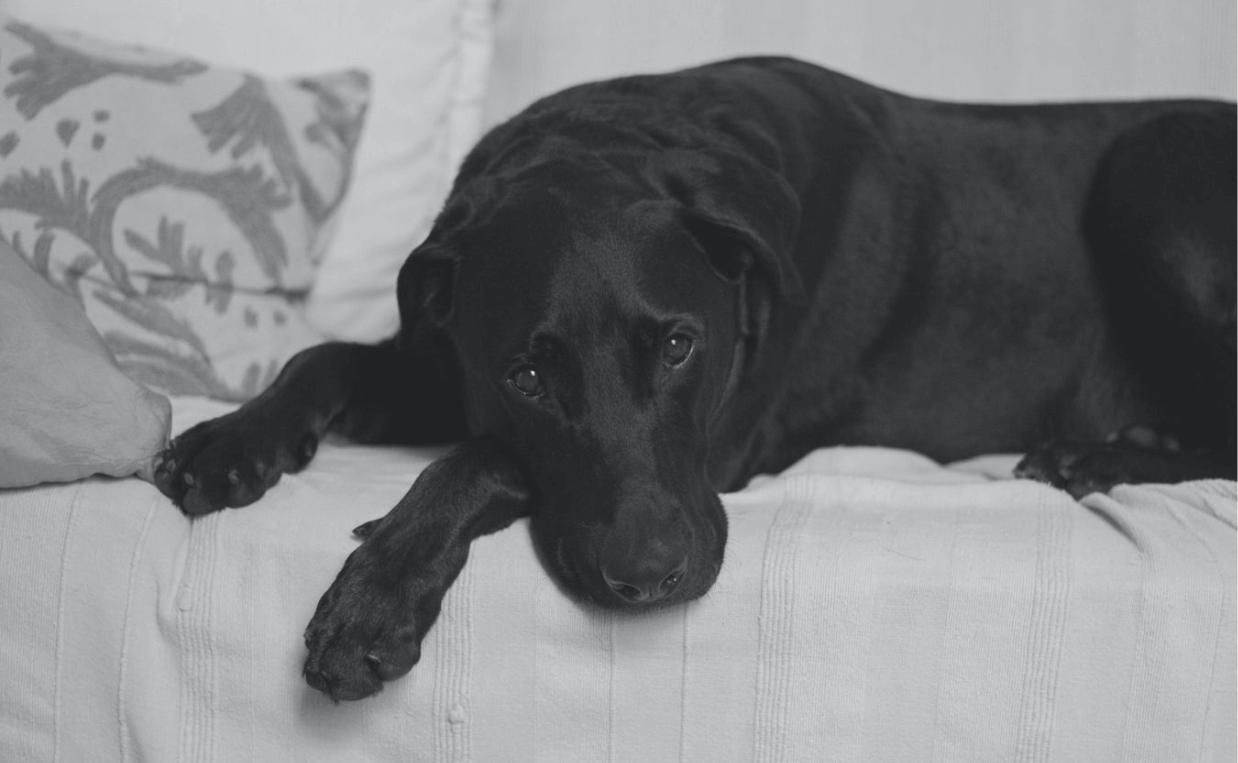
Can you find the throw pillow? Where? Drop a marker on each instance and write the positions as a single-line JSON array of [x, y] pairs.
[[185, 207], [429, 61], [68, 412]]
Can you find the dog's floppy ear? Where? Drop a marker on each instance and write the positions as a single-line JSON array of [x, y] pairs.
[[425, 289], [743, 215], [426, 284]]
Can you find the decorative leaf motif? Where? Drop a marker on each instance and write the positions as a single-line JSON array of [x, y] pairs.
[[38, 195], [73, 275], [42, 259], [168, 249], [247, 197], [19, 246], [249, 119], [221, 296], [52, 69], [154, 317], [341, 103], [167, 289], [184, 266], [176, 374]]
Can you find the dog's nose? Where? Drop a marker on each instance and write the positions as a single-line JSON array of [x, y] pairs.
[[644, 580]]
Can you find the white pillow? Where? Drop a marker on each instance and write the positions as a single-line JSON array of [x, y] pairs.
[[428, 61]]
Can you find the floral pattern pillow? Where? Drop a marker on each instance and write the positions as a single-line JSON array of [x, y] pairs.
[[185, 207]]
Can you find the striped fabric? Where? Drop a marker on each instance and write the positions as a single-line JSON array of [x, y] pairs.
[[874, 606]]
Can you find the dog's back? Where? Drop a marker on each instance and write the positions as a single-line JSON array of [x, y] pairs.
[[955, 302]]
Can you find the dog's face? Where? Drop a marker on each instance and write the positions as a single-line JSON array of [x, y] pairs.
[[599, 340]]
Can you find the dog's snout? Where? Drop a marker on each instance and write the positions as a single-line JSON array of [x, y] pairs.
[[645, 575]]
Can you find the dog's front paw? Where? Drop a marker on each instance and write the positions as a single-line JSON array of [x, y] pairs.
[[231, 461], [367, 629]]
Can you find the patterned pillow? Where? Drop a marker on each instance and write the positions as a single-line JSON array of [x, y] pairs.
[[185, 207]]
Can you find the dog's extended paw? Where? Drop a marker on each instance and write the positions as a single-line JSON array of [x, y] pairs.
[[367, 629], [1134, 455], [230, 461]]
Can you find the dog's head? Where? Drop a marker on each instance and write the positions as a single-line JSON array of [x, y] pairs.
[[603, 312]]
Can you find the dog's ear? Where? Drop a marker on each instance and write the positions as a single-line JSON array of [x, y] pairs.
[[426, 287], [743, 216]]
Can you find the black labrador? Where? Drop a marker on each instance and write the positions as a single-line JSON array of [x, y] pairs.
[[643, 291]]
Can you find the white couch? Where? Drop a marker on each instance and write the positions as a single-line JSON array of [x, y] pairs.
[[874, 606]]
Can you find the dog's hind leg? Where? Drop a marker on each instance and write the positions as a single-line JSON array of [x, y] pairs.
[[379, 393], [1161, 224]]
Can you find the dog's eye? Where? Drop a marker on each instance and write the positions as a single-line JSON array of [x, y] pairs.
[[676, 349], [527, 381]]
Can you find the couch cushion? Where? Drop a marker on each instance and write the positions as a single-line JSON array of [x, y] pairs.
[[873, 606], [68, 412]]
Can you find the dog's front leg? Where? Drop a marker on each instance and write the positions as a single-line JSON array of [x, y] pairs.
[[368, 393], [369, 624]]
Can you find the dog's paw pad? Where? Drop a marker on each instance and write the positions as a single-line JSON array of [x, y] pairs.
[[229, 462]]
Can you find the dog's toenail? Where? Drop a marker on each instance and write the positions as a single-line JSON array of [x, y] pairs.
[[307, 448], [234, 477], [189, 480]]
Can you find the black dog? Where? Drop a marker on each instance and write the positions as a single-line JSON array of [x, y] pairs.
[[643, 291]]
